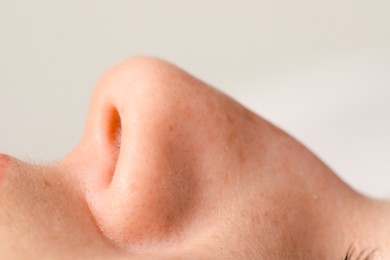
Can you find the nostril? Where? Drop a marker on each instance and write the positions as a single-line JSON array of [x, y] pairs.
[[114, 130], [111, 136]]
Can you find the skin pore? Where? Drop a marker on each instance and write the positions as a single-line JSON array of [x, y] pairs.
[[170, 168]]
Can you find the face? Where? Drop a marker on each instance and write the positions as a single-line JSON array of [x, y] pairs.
[[169, 167]]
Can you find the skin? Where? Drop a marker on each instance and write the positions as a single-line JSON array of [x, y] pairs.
[[170, 168]]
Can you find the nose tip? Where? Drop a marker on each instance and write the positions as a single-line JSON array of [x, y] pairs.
[[139, 103], [4, 162]]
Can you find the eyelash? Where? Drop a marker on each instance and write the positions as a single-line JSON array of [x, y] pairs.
[[366, 254]]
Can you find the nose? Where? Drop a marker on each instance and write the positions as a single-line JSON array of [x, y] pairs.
[[157, 144]]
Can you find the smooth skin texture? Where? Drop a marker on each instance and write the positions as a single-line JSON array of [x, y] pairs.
[[171, 168]]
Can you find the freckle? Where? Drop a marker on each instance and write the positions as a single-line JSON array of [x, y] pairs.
[[171, 128], [250, 117], [230, 119], [47, 183]]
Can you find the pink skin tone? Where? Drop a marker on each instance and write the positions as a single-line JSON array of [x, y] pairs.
[[169, 167], [4, 160]]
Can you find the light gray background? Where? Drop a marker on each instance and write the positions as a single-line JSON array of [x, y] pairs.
[[319, 69]]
